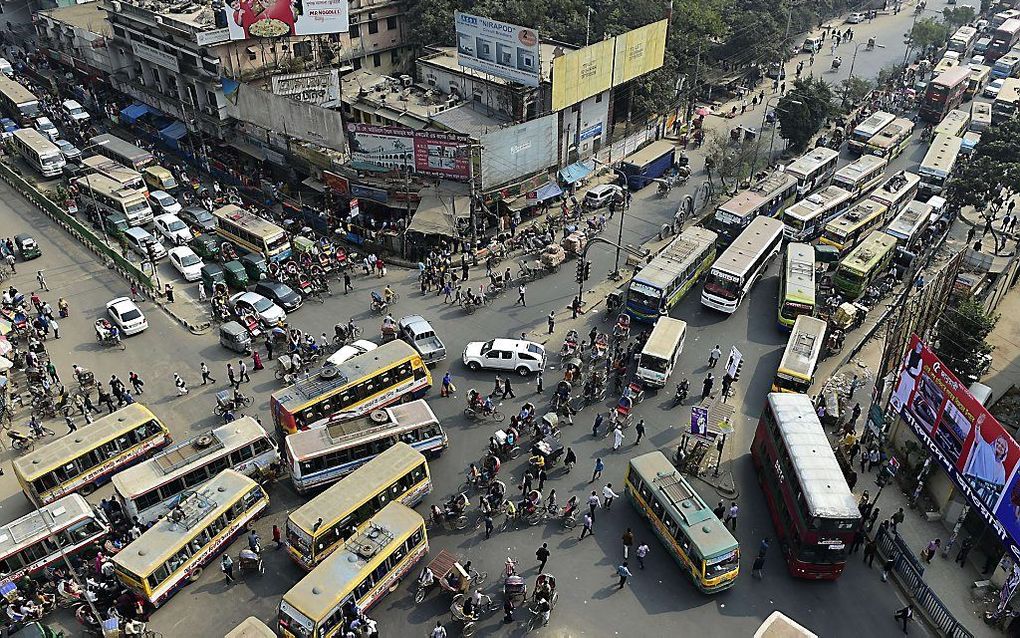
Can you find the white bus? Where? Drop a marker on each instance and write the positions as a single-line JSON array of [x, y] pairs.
[[868, 129], [41, 154], [910, 224], [954, 124], [805, 220], [938, 163], [252, 233], [813, 169], [321, 456], [18, 102], [661, 351], [768, 197], [735, 272], [152, 488], [963, 41], [861, 175], [1005, 105], [898, 189], [101, 192], [671, 274], [980, 116], [127, 178], [124, 152]]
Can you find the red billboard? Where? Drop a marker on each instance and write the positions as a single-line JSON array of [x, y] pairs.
[[430, 153], [978, 453]]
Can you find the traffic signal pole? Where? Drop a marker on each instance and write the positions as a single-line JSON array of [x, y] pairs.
[[584, 266]]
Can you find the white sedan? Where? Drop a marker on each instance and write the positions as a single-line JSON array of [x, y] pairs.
[[126, 315], [254, 303], [186, 262], [165, 202], [175, 231]]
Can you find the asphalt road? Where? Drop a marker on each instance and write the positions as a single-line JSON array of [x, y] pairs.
[[857, 604]]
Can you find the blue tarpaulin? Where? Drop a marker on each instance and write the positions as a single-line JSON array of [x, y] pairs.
[[576, 171], [175, 131], [131, 114], [548, 191]]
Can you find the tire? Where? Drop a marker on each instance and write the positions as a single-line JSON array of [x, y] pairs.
[[218, 410], [248, 400], [498, 417], [469, 629], [569, 523], [479, 577], [523, 371], [515, 451], [469, 413], [474, 366], [461, 522], [419, 596], [195, 575]]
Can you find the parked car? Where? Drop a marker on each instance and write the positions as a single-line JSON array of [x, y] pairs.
[[165, 202], [47, 128], [75, 111], [279, 293], [198, 218], [993, 88], [267, 311], [140, 239], [186, 262], [351, 350], [601, 195], [172, 229], [856, 18], [126, 315], [523, 357], [68, 150], [419, 333]]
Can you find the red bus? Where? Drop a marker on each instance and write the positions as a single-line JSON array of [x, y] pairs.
[[945, 93], [813, 510], [1003, 39]]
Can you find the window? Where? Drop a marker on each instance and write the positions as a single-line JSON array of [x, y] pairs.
[[304, 49], [251, 54], [355, 31], [391, 23], [373, 27], [357, 63], [376, 59], [395, 56], [598, 98]]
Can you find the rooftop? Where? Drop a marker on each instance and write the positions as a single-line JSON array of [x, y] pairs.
[[198, 15], [446, 58], [89, 16]]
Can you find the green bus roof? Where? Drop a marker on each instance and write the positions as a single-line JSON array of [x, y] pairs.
[[869, 252]]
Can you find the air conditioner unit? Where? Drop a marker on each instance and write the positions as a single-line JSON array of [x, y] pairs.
[[406, 80], [116, 6], [372, 15]]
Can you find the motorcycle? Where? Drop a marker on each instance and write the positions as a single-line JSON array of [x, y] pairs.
[[682, 389]]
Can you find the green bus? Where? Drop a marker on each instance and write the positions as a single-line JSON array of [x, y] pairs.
[[864, 264], [683, 521], [796, 284]]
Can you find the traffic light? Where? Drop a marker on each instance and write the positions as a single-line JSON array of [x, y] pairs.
[[740, 364], [580, 272], [587, 270], [151, 250]]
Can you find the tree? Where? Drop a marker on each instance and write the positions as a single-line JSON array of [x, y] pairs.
[[803, 110], [731, 161], [994, 163], [431, 23], [960, 339], [853, 90], [956, 17], [928, 32]]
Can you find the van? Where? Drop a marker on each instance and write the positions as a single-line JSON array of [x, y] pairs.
[[6, 68], [813, 44], [139, 240], [75, 111], [159, 178]]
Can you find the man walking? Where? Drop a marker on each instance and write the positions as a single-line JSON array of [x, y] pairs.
[[870, 550], [488, 525], [641, 552], [56, 328], [623, 573], [71, 427], [520, 295], [714, 355], [206, 375], [596, 425], [347, 283], [51, 370], [965, 548], [508, 390], [136, 382], [608, 496], [243, 369], [232, 377], [731, 515], [628, 542], [182, 388], [227, 567], [593, 503], [42, 281], [586, 524], [617, 437], [706, 386], [640, 429], [542, 554], [599, 466], [896, 519], [551, 320], [905, 615]]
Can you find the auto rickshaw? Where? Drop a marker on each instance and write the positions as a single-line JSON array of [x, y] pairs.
[[236, 275], [27, 246], [212, 275], [449, 574], [234, 336], [206, 246], [115, 224], [256, 267]]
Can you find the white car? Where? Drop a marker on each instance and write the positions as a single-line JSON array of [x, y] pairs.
[[518, 355], [351, 350], [250, 302], [977, 60], [47, 128], [126, 315], [75, 111], [186, 262], [601, 195], [68, 150], [175, 231], [165, 202], [856, 18], [993, 88]]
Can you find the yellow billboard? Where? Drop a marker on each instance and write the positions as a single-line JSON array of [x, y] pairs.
[[580, 74], [639, 51]]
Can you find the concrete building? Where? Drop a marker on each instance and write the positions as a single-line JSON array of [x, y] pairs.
[[77, 36], [378, 37]]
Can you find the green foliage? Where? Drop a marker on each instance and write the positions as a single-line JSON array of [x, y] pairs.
[[995, 160], [731, 161], [960, 339], [929, 32], [956, 17], [803, 110], [431, 22], [853, 90]]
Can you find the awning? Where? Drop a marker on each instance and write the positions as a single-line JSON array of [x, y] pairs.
[[175, 131], [548, 191], [435, 213], [133, 112], [248, 149], [314, 184], [576, 171]]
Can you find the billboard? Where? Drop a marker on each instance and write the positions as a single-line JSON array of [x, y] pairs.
[[430, 153], [279, 18], [314, 87], [972, 447], [580, 74], [498, 48], [639, 51], [517, 151]]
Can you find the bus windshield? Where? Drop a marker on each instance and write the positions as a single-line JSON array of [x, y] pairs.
[[728, 562], [724, 285]]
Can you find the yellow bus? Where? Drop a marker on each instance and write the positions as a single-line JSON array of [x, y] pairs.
[[796, 284], [251, 232], [172, 553], [954, 124], [690, 532], [891, 140], [354, 388], [354, 578], [318, 527], [800, 359], [251, 627], [90, 456], [845, 231]]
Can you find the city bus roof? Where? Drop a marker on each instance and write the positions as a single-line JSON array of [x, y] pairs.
[[676, 257], [660, 342], [858, 214], [758, 234], [750, 199], [914, 215], [869, 252], [810, 206], [863, 165], [247, 220], [251, 627], [42, 522], [338, 497], [779, 625], [800, 272], [804, 347], [413, 414], [818, 473]]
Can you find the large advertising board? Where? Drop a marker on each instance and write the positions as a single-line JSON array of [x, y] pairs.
[[516, 151], [639, 51], [970, 445], [279, 18], [580, 74], [498, 48], [314, 87], [430, 153]]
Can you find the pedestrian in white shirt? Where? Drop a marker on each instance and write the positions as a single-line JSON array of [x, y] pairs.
[[617, 437], [608, 495]]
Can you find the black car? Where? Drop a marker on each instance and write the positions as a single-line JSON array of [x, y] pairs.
[[198, 218], [280, 294]]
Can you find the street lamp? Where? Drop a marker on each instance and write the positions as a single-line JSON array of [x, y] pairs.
[[92, 192], [764, 116], [615, 275]]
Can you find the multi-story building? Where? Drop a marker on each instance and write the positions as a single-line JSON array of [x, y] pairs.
[[77, 37], [377, 40]]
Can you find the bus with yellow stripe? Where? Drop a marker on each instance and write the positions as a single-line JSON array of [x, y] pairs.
[[800, 360], [691, 533], [671, 274], [90, 456]]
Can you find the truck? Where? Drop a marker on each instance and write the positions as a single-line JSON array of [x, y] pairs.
[[419, 333], [646, 165]]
